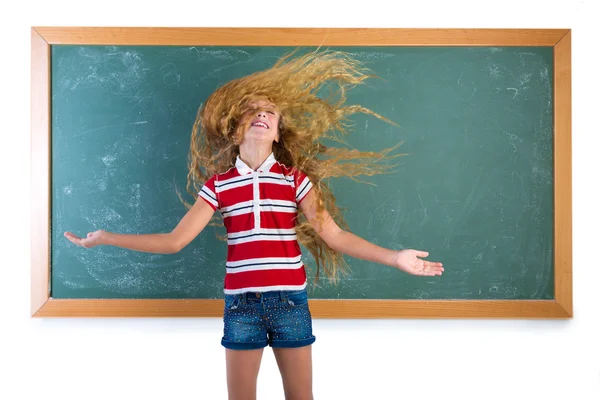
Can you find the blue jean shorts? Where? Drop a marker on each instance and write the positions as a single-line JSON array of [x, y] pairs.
[[254, 320]]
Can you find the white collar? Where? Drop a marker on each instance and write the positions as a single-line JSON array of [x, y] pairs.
[[243, 169]]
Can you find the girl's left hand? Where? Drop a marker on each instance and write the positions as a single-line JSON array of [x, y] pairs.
[[408, 261]]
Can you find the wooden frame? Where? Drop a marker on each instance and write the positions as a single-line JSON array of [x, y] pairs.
[[42, 38]]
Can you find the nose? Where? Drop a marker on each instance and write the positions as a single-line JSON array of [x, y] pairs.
[[261, 114]]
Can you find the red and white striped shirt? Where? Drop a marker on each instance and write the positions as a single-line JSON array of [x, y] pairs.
[[259, 210]]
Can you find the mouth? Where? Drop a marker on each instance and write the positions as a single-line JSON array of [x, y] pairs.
[[260, 124]]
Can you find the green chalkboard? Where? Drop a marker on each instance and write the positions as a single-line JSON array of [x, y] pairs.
[[475, 188]]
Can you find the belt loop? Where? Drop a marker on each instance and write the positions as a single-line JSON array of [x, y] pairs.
[[282, 296], [243, 298]]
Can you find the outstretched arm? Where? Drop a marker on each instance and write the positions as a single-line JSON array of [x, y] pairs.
[[354, 246], [192, 223]]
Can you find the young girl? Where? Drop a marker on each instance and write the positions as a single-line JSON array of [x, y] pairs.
[[256, 156]]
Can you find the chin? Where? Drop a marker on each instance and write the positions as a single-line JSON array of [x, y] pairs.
[[258, 139], [262, 136]]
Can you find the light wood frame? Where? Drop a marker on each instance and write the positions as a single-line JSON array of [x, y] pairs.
[[42, 38]]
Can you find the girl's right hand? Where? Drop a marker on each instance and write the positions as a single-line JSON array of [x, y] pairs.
[[92, 239]]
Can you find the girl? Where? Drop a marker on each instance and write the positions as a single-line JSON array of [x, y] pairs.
[[256, 155]]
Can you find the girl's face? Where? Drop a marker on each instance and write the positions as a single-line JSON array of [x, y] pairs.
[[264, 122]]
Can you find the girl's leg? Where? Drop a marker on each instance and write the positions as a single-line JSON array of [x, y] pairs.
[[242, 373], [295, 365]]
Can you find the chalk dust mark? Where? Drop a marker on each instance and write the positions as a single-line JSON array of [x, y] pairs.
[[103, 127], [381, 205], [134, 202], [208, 54], [425, 216], [493, 70], [471, 195], [368, 56], [511, 136], [524, 78], [120, 74], [108, 159], [211, 74], [171, 78]]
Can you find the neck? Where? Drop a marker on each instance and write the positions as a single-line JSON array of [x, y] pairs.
[[254, 156]]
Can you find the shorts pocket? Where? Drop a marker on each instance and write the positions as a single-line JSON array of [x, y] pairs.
[[297, 299], [232, 302]]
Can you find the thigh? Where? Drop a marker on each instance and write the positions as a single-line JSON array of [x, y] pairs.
[[242, 373], [295, 365]]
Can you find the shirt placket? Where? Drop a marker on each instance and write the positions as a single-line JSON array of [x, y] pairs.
[[256, 201]]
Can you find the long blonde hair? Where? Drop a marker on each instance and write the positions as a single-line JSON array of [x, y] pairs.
[[307, 117]]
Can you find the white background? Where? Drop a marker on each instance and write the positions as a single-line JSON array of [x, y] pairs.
[[372, 359]]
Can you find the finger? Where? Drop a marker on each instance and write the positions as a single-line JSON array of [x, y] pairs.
[[71, 236], [433, 264], [74, 239], [436, 270], [421, 253], [432, 269]]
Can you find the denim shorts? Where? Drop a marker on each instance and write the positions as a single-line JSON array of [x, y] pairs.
[[254, 320]]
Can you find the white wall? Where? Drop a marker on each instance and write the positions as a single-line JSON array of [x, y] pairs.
[[182, 358]]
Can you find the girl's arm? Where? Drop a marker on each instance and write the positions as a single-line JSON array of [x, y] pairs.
[[354, 246], [192, 223]]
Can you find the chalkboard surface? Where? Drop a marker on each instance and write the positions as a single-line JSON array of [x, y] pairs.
[[475, 188]]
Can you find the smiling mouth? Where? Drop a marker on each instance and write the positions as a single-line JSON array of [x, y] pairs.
[[260, 124]]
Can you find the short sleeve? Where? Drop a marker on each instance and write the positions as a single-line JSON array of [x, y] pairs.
[[303, 185], [207, 193]]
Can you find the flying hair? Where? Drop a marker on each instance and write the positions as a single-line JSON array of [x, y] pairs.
[[309, 92]]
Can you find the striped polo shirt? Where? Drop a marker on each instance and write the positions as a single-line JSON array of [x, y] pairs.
[[259, 210]]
